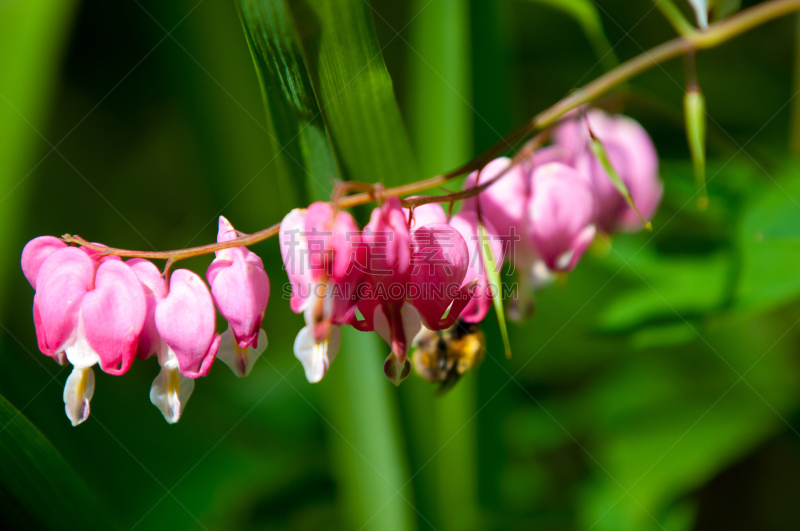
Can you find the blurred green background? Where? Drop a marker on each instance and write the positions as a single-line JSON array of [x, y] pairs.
[[656, 388]]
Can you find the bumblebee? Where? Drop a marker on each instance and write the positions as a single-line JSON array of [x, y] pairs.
[[444, 356]]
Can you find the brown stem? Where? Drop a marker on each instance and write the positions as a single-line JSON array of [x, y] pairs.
[[714, 35], [527, 151]]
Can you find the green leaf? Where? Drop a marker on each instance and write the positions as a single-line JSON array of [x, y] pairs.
[[491, 267], [441, 113], [354, 91], [586, 15], [36, 483], [689, 286], [669, 420], [769, 242]]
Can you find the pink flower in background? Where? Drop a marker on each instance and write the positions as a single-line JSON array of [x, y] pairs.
[[505, 205], [185, 320], [325, 260], [630, 151], [240, 288], [561, 215]]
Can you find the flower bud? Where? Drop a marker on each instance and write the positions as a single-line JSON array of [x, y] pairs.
[[694, 107]]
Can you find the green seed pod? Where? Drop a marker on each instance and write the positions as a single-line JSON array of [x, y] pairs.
[[694, 106]]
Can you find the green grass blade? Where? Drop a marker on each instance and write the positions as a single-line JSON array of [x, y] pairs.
[[492, 273], [366, 442], [36, 484], [440, 108], [602, 156], [354, 91], [31, 37], [293, 114], [440, 88]]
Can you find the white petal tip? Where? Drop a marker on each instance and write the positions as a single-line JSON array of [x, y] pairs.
[[240, 360], [170, 392], [316, 357], [78, 393]]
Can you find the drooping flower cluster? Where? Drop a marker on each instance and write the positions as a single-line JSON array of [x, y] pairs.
[[408, 274], [389, 278], [549, 208], [90, 308]]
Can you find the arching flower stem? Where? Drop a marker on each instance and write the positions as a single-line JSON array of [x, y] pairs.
[[714, 35]]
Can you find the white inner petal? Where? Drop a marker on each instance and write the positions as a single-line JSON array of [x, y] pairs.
[[563, 260], [540, 276], [381, 324], [240, 360], [316, 357], [411, 324], [78, 392], [79, 352], [171, 389]]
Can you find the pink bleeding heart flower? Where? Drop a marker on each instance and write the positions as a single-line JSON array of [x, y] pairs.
[[425, 215], [185, 320], [35, 253], [325, 260], [466, 223], [384, 308], [642, 179], [440, 261], [113, 315], [561, 215], [504, 204], [413, 279], [633, 155], [155, 289], [170, 390], [89, 316], [62, 280], [240, 288]]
